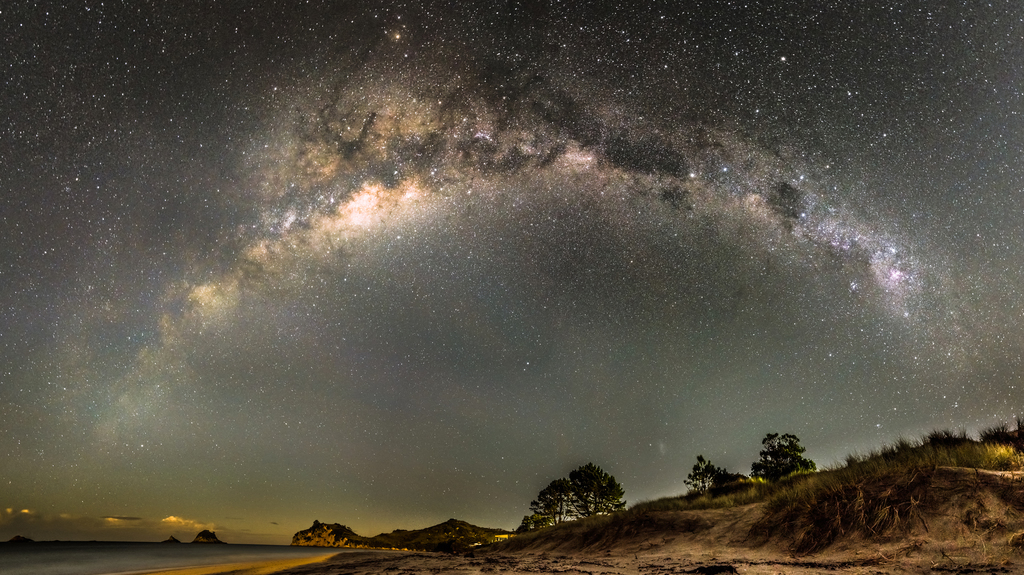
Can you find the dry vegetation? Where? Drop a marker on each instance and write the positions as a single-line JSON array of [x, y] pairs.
[[878, 493], [874, 495]]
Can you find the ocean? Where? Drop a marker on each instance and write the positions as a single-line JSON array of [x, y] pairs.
[[105, 558]]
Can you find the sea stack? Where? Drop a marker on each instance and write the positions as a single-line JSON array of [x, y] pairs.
[[206, 536], [171, 539]]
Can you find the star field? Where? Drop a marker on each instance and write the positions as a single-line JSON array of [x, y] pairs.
[[385, 264]]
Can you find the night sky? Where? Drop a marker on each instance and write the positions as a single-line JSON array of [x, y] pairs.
[[388, 264]]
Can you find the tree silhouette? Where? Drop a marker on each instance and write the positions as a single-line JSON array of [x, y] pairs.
[[532, 522], [781, 456], [587, 491], [705, 475], [594, 492], [553, 502]]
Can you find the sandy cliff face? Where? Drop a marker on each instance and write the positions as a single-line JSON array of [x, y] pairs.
[[328, 535]]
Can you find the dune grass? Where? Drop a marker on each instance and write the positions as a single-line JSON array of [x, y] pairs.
[[876, 493], [738, 493], [872, 494]]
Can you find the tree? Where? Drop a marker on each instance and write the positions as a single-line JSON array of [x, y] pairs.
[[587, 491], [554, 502], [705, 476], [781, 456], [594, 492], [533, 522]]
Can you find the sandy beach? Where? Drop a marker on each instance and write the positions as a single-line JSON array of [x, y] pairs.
[[404, 563]]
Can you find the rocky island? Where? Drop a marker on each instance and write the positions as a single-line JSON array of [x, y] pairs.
[[206, 536]]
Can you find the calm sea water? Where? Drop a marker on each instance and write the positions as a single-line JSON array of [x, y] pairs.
[[65, 558]]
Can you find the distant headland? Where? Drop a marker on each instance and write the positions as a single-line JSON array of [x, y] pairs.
[[452, 536]]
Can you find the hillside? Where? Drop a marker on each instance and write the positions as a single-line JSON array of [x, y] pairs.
[[450, 536]]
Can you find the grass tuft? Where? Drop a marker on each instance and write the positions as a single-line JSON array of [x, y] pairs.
[[948, 437], [1004, 435]]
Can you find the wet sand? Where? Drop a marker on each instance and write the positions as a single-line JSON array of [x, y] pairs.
[[245, 568]]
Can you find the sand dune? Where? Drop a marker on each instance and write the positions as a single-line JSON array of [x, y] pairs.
[[962, 522]]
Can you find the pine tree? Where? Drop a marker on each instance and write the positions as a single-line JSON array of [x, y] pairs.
[[780, 457], [594, 491], [705, 475], [554, 501], [587, 491]]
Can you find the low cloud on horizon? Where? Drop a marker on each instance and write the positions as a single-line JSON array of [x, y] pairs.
[[69, 527]]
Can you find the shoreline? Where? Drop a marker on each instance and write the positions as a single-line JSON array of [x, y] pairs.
[[266, 567]]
